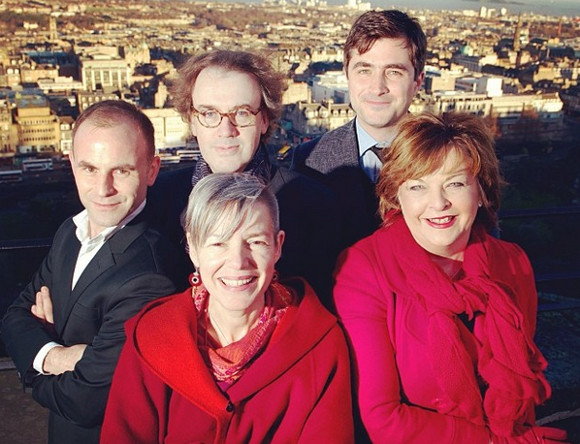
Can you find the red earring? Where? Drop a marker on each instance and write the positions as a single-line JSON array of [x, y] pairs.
[[195, 279]]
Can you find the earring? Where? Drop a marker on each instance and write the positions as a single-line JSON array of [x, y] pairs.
[[275, 276], [195, 278], [479, 204]]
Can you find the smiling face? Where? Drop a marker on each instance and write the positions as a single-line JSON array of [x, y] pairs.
[[440, 208], [227, 148], [112, 170], [381, 85], [237, 271]]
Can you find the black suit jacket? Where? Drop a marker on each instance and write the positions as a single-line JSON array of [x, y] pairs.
[[133, 267], [335, 156], [308, 214]]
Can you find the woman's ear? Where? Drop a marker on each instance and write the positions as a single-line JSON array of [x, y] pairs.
[[279, 242], [191, 250]]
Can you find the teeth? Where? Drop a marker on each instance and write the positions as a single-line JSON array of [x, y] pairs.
[[236, 282], [441, 220]]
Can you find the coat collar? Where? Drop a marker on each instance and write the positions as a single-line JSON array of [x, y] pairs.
[[166, 339]]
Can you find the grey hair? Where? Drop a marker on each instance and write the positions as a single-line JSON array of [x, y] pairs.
[[229, 198]]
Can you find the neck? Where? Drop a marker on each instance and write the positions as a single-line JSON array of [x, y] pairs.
[[450, 266], [385, 134], [231, 326]]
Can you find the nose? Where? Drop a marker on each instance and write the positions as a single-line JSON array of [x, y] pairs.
[[106, 185], [439, 199], [226, 128], [379, 84], [239, 255]]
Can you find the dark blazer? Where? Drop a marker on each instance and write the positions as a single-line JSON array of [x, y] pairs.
[[133, 267], [335, 156], [308, 214]]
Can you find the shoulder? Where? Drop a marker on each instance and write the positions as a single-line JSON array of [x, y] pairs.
[[171, 187], [308, 313], [165, 328], [363, 267], [327, 142], [323, 325], [162, 312], [63, 241], [338, 135], [67, 228], [367, 249], [285, 179], [139, 253], [513, 257], [174, 177]]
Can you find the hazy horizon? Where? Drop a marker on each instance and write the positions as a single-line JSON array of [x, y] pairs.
[[548, 7]]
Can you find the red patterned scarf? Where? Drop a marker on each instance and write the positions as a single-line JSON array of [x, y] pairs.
[[508, 361], [229, 363]]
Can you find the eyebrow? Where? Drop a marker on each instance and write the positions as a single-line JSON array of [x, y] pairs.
[[455, 173], [214, 108], [450, 175], [363, 64], [126, 166]]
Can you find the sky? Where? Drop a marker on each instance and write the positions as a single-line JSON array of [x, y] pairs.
[[548, 7], [569, 8]]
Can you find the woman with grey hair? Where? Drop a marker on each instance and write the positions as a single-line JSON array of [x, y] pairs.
[[238, 357]]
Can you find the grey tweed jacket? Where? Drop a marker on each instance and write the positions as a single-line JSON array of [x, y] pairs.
[[335, 157]]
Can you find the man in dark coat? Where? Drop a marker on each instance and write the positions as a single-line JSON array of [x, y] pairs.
[[384, 57], [65, 330], [232, 100]]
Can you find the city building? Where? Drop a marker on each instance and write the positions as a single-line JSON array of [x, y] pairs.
[[171, 131], [37, 127]]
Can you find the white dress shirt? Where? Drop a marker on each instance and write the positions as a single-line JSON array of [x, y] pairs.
[[89, 249]]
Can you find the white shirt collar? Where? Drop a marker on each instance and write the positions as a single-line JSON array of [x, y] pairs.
[[365, 140], [82, 232]]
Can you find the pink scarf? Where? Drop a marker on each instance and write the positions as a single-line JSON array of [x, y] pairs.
[[508, 361], [230, 362]]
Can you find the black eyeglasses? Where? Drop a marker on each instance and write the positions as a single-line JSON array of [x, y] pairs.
[[240, 117]]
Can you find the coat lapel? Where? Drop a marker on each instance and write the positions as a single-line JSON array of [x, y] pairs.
[[104, 259], [60, 292]]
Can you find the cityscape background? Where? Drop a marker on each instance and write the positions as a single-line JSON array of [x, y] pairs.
[[514, 63]]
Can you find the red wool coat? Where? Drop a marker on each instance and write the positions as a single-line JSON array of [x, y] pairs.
[[297, 390]]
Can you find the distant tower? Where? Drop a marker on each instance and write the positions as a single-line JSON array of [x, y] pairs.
[[52, 29], [517, 34], [559, 28]]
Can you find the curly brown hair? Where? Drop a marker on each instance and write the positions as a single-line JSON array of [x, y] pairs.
[[272, 83], [421, 147]]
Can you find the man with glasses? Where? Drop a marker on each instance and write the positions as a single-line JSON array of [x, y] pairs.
[[232, 101]]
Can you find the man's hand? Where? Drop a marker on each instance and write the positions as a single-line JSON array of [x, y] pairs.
[[62, 359], [43, 307]]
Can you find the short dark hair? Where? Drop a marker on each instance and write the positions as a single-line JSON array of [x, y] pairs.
[[110, 113], [271, 82], [391, 24], [421, 147]]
